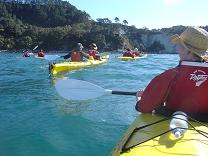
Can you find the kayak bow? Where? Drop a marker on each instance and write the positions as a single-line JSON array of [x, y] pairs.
[[150, 135]]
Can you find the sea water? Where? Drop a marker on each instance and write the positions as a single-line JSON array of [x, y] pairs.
[[36, 121]]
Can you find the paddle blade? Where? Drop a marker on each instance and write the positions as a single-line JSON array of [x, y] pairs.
[[72, 89], [51, 57]]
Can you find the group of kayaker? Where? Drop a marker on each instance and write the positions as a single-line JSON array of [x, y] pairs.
[[77, 53], [183, 88], [28, 53], [131, 53]]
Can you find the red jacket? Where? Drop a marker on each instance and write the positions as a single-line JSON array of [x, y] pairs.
[[128, 54], [183, 88], [136, 53], [41, 54], [75, 56]]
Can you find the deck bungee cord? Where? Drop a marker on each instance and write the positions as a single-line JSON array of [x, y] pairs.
[[125, 149]]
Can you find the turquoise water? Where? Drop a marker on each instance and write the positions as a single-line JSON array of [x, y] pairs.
[[36, 121]]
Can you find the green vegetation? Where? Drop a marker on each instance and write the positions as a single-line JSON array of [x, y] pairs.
[[57, 25]]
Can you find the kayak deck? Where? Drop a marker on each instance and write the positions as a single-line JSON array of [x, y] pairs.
[[68, 66], [145, 138]]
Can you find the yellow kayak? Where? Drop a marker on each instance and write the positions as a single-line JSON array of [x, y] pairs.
[[146, 139], [130, 58], [67, 66]]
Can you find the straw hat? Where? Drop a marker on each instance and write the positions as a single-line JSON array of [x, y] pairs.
[[194, 39]]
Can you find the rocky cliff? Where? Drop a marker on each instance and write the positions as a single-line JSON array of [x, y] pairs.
[[163, 38]]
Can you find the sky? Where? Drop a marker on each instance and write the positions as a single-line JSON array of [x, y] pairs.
[[153, 14]]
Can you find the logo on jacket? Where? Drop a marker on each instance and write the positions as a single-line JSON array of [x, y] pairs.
[[199, 76]]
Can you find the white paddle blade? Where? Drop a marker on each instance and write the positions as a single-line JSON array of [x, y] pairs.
[[72, 89], [51, 57]]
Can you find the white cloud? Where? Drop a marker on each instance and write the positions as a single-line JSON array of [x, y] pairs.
[[172, 1]]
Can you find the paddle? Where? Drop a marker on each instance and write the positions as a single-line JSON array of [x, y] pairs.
[[35, 47], [72, 89]]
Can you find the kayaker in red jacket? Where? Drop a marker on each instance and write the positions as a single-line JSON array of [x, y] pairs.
[[77, 54], [183, 88], [136, 52], [41, 53]]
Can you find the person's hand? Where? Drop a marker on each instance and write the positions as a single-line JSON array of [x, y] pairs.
[[138, 95]]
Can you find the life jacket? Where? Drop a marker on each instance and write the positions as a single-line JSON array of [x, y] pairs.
[[75, 56], [41, 54], [136, 53], [92, 53], [189, 90], [128, 54]]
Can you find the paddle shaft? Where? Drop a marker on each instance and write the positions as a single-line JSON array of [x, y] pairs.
[[124, 93], [35, 47]]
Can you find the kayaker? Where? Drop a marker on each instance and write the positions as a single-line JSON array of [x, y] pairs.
[[41, 53], [77, 54], [128, 53], [136, 52], [26, 53], [183, 88], [93, 51]]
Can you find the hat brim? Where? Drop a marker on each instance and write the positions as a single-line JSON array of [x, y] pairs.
[[175, 39]]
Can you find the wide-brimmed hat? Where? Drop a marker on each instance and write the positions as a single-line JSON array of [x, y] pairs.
[[194, 39]]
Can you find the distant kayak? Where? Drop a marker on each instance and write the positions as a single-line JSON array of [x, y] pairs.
[[149, 135], [124, 58], [67, 66]]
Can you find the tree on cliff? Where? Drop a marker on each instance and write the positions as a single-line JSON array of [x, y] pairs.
[[116, 19]]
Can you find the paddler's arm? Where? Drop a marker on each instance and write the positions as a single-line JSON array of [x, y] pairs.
[[67, 55], [156, 92], [85, 54], [139, 95]]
